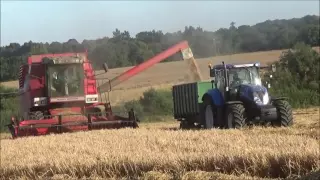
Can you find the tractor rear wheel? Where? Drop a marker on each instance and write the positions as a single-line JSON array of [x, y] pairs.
[[37, 115], [209, 115], [235, 116], [284, 111]]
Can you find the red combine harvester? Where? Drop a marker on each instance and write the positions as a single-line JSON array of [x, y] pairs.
[[59, 93]]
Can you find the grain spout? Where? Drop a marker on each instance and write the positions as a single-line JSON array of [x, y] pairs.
[[194, 70]]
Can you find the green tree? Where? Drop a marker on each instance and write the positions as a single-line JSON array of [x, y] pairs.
[[124, 50]]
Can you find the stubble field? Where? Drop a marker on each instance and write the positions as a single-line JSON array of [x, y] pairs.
[[161, 151]]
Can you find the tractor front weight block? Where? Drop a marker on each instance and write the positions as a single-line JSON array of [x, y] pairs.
[[267, 113]]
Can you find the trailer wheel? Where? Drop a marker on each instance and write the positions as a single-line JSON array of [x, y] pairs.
[[284, 111], [235, 116]]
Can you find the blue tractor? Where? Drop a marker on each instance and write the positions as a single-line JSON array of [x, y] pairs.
[[233, 99]]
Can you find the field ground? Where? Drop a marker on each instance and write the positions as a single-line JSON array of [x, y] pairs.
[[163, 75], [161, 151]]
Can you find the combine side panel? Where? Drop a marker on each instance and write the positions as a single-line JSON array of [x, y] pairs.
[[23, 70], [90, 86], [24, 98]]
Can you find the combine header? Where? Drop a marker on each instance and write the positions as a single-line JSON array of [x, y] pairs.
[[59, 93]]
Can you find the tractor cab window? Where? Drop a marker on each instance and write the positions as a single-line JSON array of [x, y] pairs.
[[65, 80], [243, 75]]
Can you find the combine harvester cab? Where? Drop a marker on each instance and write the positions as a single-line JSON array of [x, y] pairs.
[[58, 93]]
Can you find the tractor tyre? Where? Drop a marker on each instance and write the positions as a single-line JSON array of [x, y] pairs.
[[284, 111], [235, 116], [36, 115], [209, 115]]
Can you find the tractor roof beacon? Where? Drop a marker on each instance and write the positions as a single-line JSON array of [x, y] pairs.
[[234, 98], [60, 93]]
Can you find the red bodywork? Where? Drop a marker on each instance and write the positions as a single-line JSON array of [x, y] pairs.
[[58, 121]]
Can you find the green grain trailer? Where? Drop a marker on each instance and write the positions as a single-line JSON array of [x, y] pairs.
[[187, 102]]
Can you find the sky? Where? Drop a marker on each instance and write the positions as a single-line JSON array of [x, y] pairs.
[[48, 21]]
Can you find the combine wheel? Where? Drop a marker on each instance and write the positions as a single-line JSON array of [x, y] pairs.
[[284, 111], [37, 115], [235, 116]]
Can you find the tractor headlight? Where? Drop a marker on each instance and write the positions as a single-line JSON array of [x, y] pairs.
[[265, 98], [261, 100], [256, 98]]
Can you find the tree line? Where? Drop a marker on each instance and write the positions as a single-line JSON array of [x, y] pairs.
[[122, 49]]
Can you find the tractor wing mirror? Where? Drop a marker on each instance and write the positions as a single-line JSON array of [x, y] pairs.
[[212, 72], [105, 67]]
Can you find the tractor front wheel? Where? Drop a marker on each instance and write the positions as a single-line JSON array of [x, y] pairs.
[[235, 116], [284, 111]]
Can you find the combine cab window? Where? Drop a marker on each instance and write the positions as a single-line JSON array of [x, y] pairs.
[[65, 80]]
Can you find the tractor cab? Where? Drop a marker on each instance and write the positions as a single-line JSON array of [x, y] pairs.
[[238, 98], [240, 81], [236, 75]]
